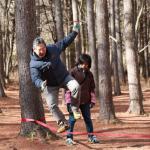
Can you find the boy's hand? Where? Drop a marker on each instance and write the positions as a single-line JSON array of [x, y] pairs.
[[92, 105], [76, 27]]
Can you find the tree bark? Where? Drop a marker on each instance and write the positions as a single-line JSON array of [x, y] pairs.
[[2, 93], [107, 113], [30, 101], [119, 42], [117, 90], [135, 92], [78, 38], [92, 41], [59, 25]]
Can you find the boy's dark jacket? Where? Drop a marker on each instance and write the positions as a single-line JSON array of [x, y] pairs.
[[50, 67], [86, 81]]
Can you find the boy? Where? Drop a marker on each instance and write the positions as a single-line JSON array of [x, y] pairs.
[[81, 72]]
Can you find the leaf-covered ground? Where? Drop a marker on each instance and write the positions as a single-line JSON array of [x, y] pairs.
[[133, 133]]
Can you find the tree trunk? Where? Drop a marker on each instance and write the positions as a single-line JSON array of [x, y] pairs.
[[107, 113], [135, 92], [83, 29], [71, 49], [59, 25], [78, 38], [146, 41], [38, 17], [2, 93], [119, 43], [92, 41], [60, 33], [117, 90], [30, 101]]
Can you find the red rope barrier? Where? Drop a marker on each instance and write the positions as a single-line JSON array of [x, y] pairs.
[[120, 135]]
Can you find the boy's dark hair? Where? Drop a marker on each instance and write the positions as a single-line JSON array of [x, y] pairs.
[[84, 58]]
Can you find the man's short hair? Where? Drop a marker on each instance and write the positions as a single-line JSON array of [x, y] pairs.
[[37, 41]]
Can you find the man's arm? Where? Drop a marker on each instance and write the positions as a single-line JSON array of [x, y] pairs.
[[63, 44], [36, 77]]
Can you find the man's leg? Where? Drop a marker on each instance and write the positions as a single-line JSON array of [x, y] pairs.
[[74, 88], [51, 96]]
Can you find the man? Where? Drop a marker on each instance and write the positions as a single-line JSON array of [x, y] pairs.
[[49, 74]]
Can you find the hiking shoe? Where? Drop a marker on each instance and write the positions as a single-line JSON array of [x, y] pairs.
[[93, 140], [76, 115], [69, 141], [63, 126]]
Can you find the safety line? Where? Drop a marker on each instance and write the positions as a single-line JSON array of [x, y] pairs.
[[98, 133]]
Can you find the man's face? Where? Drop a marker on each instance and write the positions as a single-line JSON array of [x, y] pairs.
[[40, 50]]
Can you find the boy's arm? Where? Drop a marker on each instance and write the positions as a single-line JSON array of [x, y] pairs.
[[93, 96]]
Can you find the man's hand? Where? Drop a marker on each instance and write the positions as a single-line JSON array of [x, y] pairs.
[[43, 85], [76, 27], [46, 66]]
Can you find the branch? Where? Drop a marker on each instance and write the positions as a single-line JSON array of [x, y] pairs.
[[144, 48], [115, 40], [138, 18]]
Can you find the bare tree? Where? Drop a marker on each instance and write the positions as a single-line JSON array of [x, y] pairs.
[[76, 18], [118, 20], [107, 113], [2, 93], [135, 92], [59, 25], [92, 40], [117, 90], [31, 104], [70, 53]]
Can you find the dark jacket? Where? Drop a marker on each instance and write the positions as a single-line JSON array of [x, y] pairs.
[[87, 84], [50, 67]]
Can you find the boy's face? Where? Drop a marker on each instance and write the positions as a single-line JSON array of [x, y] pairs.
[[84, 66], [40, 50]]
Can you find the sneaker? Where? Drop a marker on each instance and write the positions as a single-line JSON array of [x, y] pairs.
[[76, 115], [69, 141], [93, 140], [63, 126]]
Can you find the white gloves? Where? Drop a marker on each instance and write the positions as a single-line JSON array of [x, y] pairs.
[[76, 27], [43, 85]]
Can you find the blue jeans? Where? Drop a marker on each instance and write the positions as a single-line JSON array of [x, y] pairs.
[[85, 110]]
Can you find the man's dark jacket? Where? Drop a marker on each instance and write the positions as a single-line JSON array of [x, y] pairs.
[[50, 67]]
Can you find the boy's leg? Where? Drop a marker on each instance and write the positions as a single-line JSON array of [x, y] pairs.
[[51, 96], [71, 121], [85, 109]]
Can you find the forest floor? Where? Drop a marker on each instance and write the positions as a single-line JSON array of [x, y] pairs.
[[132, 134]]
